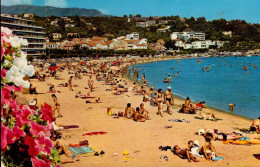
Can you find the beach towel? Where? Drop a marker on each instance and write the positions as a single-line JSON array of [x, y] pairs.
[[179, 120], [77, 145], [246, 130], [87, 97], [70, 126], [81, 150], [94, 133], [217, 158], [257, 156], [244, 138], [217, 119], [241, 142]]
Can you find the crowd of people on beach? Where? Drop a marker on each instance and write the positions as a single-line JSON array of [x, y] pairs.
[[108, 72]]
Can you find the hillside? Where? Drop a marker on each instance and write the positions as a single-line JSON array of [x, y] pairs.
[[46, 11]]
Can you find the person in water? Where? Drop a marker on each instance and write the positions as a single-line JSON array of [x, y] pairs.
[[176, 74], [169, 79], [231, 106]]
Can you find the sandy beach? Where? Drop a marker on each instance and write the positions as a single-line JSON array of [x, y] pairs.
[[140, 139]]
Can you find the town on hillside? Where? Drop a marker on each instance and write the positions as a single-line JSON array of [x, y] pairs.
[[148, 34]]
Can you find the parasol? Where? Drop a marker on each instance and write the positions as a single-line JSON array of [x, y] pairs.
[[53, 68]]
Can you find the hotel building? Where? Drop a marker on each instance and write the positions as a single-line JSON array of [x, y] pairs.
[[26, 29]]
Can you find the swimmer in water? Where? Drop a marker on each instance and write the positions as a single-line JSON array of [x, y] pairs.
[[176, 74], [169, 78], [231, 106]]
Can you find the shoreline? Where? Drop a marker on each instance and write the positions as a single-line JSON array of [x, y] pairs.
[[140, 139], [179, 97]]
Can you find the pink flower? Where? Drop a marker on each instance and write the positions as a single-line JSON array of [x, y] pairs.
[[4, 130], [45, 143], [36, 128], [12, 87], [5, 93], [58, 166], [39, 162], [34, 148], [3, 71], [22, 116], [14, 134], [47, 113]]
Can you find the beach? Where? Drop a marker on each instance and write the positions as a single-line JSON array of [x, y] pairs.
[[140, 139]]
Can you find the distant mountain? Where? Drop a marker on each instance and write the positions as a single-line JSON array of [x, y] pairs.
[[46, 11]]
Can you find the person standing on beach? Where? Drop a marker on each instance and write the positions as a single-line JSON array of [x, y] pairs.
[[90, 83], [70, 83], [159, 102], [56, 106], [168, 99]]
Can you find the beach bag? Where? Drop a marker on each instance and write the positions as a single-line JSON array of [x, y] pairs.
[[109, 111], [84, 142], [120, 114]]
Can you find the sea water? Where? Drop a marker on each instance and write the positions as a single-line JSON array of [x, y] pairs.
[[225, 82]]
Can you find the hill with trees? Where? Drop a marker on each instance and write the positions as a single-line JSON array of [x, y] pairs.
[[46, 11]]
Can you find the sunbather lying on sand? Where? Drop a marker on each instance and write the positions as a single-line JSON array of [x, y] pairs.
[[210, 116], [183, 153], [61, 149], [94, 101], [80, 95], [216, 135]]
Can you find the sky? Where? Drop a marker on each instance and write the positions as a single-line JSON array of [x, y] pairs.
[[248, 10]]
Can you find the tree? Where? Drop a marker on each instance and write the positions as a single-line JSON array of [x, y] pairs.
[[138, 15], [170, 44]]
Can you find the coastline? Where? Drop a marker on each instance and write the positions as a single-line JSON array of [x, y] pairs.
[[179, 97], [140, 139]]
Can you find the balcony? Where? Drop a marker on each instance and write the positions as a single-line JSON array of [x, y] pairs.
[[24, 48], [26, 30], [21, 24], [31, 36]]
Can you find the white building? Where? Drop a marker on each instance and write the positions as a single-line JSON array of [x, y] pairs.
[[167, 28], [186, 35], [199, 44], [55, 23], [227, 33], [133, 36]]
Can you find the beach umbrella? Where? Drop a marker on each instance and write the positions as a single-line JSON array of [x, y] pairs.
[[82, 62], [103, 66], [53, 64], [115, 68], [53, 68], [113, 62]]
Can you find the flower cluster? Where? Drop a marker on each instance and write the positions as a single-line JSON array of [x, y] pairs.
[[25, 133], [13, 59]]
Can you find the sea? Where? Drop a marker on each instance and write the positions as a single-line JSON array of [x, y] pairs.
[[225, 82]]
